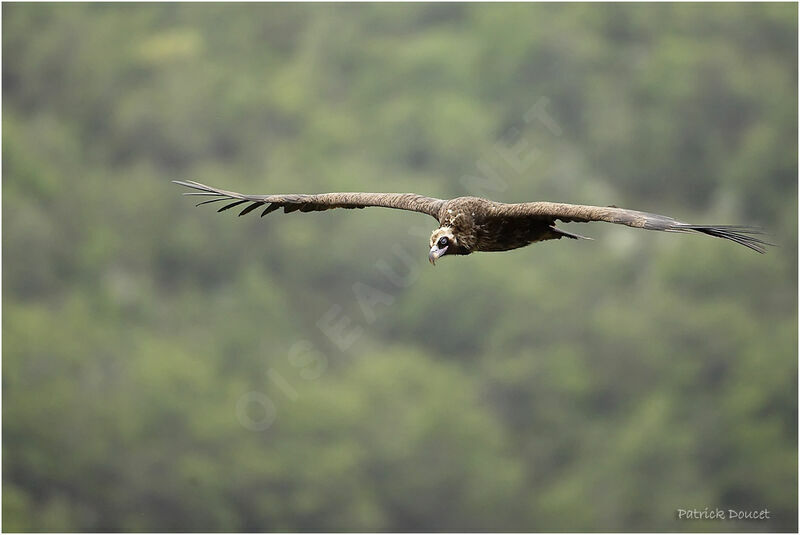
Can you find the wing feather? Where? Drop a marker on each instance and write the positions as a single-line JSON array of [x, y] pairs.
[[317, 202], [250, 208], [270, 208], [742, 235], [231, 205]]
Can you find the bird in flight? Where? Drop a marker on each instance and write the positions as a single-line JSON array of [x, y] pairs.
[[471, 224]]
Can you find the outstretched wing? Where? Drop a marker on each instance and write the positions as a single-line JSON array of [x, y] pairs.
[[582, 213], [314, 203]]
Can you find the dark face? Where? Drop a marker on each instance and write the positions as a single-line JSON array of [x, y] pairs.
[[439, 249], [443, 242]]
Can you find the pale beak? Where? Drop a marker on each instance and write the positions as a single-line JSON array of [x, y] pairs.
[[436, 253]]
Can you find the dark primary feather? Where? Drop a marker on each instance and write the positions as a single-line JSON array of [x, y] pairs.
[[231, 205], [741, 235], [250, 208]]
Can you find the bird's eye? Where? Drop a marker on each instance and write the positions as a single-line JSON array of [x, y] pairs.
[[443, 241]]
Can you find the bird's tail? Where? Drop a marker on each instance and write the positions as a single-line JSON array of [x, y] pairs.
[[561, 233]]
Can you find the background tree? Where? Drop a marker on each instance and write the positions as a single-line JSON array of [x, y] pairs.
[[576, 386]]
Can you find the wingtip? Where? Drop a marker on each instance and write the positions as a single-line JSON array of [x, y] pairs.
[[742, 235]]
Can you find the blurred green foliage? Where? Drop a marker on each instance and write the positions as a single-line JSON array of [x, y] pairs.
[[568, 386]]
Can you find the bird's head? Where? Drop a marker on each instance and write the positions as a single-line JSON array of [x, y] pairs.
[[444, 241]]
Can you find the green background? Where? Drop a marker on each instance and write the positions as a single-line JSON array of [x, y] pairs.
[[595, 385]]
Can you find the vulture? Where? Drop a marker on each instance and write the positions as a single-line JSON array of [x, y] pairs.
[[471, 224]]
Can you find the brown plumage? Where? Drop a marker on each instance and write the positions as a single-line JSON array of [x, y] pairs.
[[472, 224]]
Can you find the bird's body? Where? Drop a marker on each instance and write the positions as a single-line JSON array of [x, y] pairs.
[[484, 225], [472, 224]]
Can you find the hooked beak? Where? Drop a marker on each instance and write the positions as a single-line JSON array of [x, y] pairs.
[[436, 253]]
